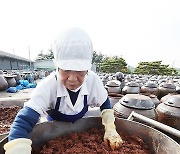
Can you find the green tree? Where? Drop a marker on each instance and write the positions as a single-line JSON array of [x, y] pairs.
[[97, 59], [42, 56], [114, 64], [50, 54], [154, 68]]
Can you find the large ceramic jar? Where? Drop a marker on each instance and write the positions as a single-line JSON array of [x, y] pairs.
[[36, 76], [135, 102], [113, 86], [131, 88], [169, 111], [153, 97], [164, 98], [10, 80], [17, 77], [166, 88], [114, 98], [1, 72], [3, 83], [150, 87], [178, 89]]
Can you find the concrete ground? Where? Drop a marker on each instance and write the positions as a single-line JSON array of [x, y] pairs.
[[20, 96]]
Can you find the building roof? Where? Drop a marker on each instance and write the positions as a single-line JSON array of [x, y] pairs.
[[9, 55]]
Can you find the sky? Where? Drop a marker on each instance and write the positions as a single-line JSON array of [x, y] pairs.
[[136, 30]]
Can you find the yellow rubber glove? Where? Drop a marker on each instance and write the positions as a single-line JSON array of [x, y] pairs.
[[19, 146], [111, 134]]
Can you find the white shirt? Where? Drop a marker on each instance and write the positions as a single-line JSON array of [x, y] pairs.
[[45, 95]]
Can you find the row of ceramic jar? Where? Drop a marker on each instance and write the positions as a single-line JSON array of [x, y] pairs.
[[166, 111], [12, 80], [115, 86]]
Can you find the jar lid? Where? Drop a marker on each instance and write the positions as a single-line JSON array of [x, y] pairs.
[[173, 100], [168, 85], [8, 76], [137, 101], [151, 85], [132, 84], [113, 83]]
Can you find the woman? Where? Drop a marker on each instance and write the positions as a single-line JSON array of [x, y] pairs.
[[65, 94]]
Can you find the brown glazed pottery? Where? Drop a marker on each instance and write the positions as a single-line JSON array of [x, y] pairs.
[[113, 86], [17, 77], [135, 102], [10, 80], [166, 88], [131, 88], [114, 98], [169, 111], [150, 87], [153, 97], [3, 83]]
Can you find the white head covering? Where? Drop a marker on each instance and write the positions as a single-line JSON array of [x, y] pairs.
[[73, 50]]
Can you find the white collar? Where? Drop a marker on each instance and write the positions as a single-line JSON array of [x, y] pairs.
[[76, 89]]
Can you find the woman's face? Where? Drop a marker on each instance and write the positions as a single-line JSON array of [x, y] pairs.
[[72, 79]]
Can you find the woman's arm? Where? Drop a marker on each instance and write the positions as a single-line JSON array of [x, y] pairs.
[[23, 124], [106, 104]]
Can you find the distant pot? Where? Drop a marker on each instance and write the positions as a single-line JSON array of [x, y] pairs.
[[166, 88], [114, 98], [140, 83], [113, 86], [3, 83], [164, 98], [10, 80], [169, 111], [131, 88], [178, 89], [135, 102], [113, 83], [17, 77], [150, 87], [153, 97], [1, 72], [113, 89]]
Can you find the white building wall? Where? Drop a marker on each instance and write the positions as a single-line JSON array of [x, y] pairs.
[[44, 64], [49, 65]]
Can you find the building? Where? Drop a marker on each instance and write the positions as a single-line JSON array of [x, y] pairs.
[[12, 62], [47, 65]]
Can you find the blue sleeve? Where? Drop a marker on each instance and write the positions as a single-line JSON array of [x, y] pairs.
[[106, 104], [23, 124]]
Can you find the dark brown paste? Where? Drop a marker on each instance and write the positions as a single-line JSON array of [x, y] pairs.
[[7, 115], [91, 142]]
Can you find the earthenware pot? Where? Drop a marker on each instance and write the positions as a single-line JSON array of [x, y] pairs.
[[169, 111], [3, 83], [131, 88], [150, 87], [135, 102], [166, 88], [10, 80]]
